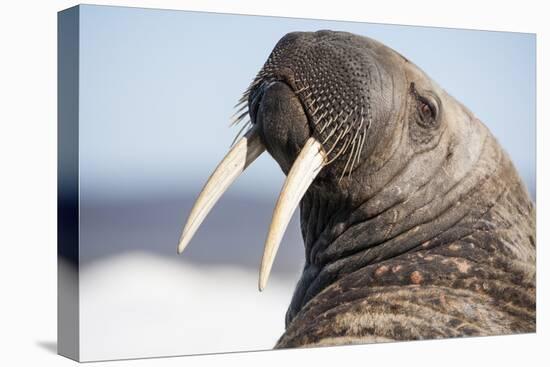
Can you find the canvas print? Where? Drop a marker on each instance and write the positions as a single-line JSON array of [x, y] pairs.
[[387, 190]]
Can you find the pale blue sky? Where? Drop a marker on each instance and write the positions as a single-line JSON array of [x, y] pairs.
[[157, 89]]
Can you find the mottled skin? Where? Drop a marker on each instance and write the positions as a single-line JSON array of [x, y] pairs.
[[429, 233]]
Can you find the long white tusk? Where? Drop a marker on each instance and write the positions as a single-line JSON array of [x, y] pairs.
[[244, 152], [309, 163]]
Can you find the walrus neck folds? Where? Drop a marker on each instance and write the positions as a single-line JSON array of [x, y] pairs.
[[400, 214]]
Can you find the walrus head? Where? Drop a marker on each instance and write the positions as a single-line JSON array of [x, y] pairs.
[[343, 115], [399, 186]]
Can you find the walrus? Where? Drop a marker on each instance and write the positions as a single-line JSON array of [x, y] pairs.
[[416, 225]]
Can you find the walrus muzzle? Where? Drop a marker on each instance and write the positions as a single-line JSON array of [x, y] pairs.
[[308, 164]]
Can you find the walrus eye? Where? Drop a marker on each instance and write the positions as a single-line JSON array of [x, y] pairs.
[[427, 108], [427, 112]]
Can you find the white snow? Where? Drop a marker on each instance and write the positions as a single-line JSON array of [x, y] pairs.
[[140, 305]]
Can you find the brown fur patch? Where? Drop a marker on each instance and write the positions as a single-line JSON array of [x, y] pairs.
[[416, 277], [381, 270]]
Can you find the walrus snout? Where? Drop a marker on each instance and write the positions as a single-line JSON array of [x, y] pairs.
[[341, 82]]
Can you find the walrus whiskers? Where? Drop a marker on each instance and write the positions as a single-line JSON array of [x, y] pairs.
[[336, 128], [237, 120], [353, 149], [245, 126], [239, 115], [348, 160]]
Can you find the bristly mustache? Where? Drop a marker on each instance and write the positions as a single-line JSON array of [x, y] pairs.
[[343, 132], [242, 112]]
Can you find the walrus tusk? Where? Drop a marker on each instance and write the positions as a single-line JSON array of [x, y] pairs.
[[309, 163], [244, 152]]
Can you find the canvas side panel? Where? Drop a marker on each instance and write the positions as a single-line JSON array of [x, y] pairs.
[[68, 183]]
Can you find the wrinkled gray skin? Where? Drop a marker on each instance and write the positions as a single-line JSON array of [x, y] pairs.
[[431, 235]]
